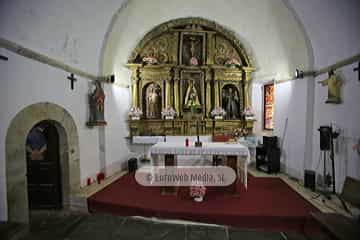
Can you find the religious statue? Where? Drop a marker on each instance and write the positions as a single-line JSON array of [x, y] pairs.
[[193, 42], [192, 97], [192, 50], [334, 85], [96, 102], [152, 102], [36, 144], [230, 102]]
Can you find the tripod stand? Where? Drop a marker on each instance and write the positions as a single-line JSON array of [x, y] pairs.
[[327, 135]]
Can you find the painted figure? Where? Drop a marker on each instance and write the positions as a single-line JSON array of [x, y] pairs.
[[36, 144], [230, 103], [152, 102], [192, 48], [96, 101], [191, 97]]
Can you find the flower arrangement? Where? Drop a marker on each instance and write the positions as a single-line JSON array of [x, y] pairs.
[[150, 60], [232, 62], [218, 113], [239, 132], [135, 113], [197, 191], [168, 113]]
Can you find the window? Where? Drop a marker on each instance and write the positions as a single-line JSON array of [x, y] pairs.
[[269, 106]]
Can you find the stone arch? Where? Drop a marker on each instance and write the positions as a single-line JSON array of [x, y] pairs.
[[175, 23], [16, 183]]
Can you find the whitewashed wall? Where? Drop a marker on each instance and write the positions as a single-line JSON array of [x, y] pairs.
[[73, 32], [267, 29], [333, 30]]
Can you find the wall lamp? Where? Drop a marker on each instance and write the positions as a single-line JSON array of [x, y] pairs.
[[301, 74], [4, 58], [107, 79]]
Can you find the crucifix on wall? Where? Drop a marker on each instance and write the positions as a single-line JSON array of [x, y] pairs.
[[334, 88], [358, 70], [72, 80]]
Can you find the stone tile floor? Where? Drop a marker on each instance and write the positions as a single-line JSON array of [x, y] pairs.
[[70, 226]]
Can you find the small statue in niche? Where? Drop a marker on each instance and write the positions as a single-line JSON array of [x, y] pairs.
[[96, 102], [230, 102], [150, 57], [193, 42], [192, 97], [152, 102], [232, 59], [192, 47], [334, 85]]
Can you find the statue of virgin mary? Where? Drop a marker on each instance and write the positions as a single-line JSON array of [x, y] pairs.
[[192, 97]]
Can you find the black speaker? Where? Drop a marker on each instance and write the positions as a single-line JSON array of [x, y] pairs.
[[273, 155], [309, 179], [325, 137], [132, 164]]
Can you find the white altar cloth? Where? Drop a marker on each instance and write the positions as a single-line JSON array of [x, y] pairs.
[[147, 139], [208, 148]]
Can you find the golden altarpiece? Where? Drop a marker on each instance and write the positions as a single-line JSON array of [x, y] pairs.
[[192, 66]]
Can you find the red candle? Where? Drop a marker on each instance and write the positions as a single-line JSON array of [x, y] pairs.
[[186, 142]]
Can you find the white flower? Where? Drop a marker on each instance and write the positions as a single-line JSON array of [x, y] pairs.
[[168, 112], [218, 111], [135, 112]]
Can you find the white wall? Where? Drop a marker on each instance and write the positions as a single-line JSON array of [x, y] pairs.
[[333, 30], [290, 106], [268, 30], [257, 102], [72, 32]]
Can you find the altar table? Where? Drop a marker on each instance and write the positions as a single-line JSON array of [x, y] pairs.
[[238, 155]]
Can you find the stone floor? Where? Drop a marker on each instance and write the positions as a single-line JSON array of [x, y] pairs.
[[71, 226]]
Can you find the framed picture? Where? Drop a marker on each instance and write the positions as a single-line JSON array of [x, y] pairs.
[[269, 106]]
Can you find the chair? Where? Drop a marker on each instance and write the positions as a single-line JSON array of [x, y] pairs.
[[268, 155]]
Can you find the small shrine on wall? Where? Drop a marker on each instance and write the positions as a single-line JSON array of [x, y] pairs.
[[189, 76]]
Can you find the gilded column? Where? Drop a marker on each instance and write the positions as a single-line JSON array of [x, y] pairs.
[[135, 89], [210, 48], [168, 93], [208, 92], [176, 91], [217, 96], [247, 81]]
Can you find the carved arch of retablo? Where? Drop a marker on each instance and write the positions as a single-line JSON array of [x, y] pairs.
[[162, 43]]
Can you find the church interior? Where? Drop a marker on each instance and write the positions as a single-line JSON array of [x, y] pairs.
[[165, 119]]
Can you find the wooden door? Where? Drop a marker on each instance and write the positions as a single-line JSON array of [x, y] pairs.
[[43, 167]]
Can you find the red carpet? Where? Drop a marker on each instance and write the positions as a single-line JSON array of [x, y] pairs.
[[269, 204]]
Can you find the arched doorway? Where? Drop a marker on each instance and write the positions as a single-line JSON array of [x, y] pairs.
[[16, 164], [43, 167]]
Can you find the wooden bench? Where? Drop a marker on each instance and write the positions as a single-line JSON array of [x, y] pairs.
[[337, 226]]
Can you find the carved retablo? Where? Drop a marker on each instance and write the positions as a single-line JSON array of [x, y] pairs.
[[192, 66]]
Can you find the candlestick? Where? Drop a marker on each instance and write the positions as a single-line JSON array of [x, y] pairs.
[[197, 128]]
